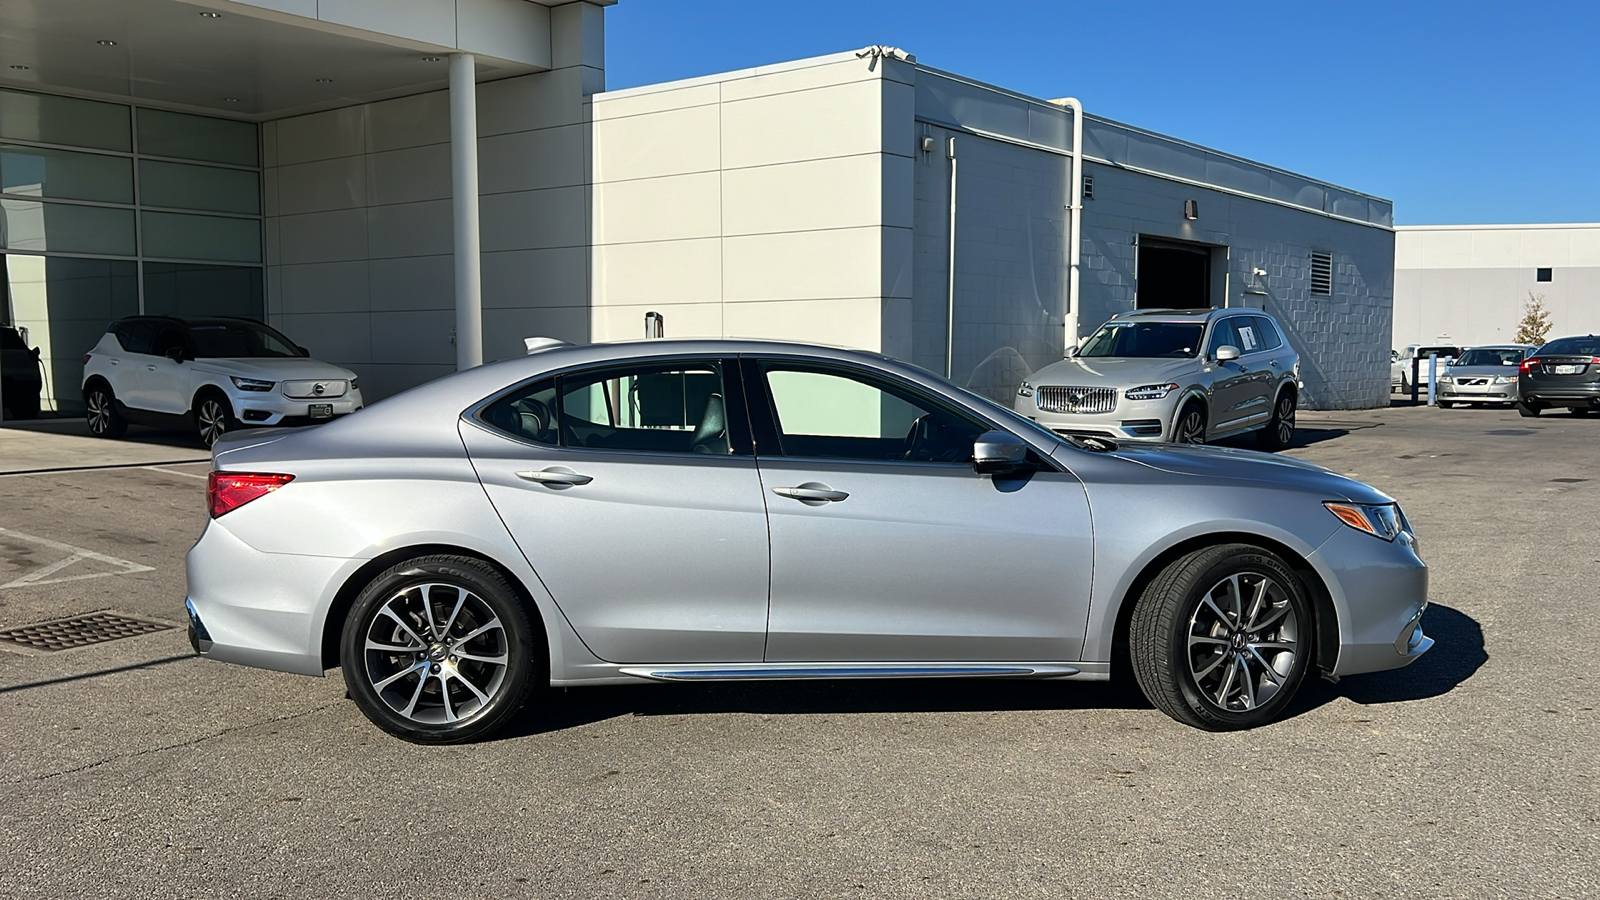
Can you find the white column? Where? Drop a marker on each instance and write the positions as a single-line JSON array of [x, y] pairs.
[[464, 187]]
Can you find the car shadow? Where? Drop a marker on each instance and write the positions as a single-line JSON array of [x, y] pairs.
[[76, 426], [1303, 437], [565, 709], [1457, 654]]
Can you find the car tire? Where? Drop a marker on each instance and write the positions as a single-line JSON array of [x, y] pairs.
[[1528, 412], [1578, 411], [1279, 432], [1222, 638], [1446, 404], [1190, 426], [440, 650], [213, 416], [101, 412]]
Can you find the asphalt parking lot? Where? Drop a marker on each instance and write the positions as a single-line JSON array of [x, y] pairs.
[[133, 768]]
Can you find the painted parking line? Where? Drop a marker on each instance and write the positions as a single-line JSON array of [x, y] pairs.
[[98, 468], [200, 475], [46, 574]]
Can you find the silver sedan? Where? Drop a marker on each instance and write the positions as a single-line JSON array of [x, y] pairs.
[[720, 510]]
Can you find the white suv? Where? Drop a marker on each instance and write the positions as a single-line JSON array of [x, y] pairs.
[[212, 375]]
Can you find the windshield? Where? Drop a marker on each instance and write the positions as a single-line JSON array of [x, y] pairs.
[[1484, 356], [1145, 340], [1579, 346], [238, 340]]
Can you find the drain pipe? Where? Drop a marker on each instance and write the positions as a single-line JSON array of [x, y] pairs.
[[1075, 219], [950, 275]]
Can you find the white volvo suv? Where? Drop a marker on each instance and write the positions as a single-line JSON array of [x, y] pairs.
[[212, 375]]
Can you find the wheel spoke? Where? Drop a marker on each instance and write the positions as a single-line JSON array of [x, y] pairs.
[[391, 648], [404, 625], [490, 626], [1217, 660], [1266, 667], [461, 599], [491, 660], [1274, 613], [1217, 610], [444, 696], [1206, 639], [416, 695], [427, 611], [1247, 681], [380, 685], [1255, 606], [482, 697], [1226, 688], [1287, 646]]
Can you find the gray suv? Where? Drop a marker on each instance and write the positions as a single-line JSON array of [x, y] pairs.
[[1187, 376]]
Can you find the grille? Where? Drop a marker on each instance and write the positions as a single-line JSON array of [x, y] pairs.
[[80, 631], [1076, 399], [1473, 381], [307, 390]]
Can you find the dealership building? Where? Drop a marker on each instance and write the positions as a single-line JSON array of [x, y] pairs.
[[407, 187]]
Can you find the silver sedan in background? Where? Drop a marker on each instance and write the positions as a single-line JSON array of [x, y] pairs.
[[1486, 374], [738, 510]]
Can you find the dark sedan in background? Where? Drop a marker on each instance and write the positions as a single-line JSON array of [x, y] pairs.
[[1562, 373]]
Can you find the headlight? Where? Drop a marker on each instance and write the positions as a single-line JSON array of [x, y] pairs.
[[1381, 520], [1444, 379], [1505, 379], [1150, 391], [1026, 390], [251, 384]]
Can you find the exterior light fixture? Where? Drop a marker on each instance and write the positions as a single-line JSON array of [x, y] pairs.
[[208, 14], [1191, 209], [324, 81], [106, 43], [230, 99], [433, 59], [20, 68]]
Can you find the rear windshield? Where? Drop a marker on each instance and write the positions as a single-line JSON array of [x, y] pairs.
[[1484, 356], [1145, 339], [1578, 346], [238, 340]]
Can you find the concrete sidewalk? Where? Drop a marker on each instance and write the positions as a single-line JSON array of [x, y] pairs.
[[64, 444]]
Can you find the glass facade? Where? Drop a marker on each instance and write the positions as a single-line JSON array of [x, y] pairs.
[[107, 210]]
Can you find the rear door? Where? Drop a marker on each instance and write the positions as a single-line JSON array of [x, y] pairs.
[[632, 491], [163, 384]]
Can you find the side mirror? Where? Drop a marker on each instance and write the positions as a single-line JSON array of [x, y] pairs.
[[998, 453], [175, 354], [1227, 352]]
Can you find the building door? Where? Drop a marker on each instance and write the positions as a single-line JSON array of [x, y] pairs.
[[1173, 275]]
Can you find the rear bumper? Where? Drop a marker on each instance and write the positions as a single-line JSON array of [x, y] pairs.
[[1574, 395]]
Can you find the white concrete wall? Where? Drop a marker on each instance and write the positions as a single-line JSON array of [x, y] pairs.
[[359, 223], [514, 30], [771, 202], [1469, 283]]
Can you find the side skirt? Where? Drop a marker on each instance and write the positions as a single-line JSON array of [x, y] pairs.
[[802, 671]]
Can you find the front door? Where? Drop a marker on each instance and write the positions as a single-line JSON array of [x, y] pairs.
[[1234, 386], [632, 493], [887, 546]]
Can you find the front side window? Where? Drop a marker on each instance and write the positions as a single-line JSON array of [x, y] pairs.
[[1145, 339], [1222, 334], [822, 412]]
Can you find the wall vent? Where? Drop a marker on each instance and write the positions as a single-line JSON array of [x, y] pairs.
[[1088, 187], [1321, 272]]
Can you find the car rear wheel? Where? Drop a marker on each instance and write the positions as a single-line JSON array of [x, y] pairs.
[[1191, 427], [1222, 638], [100, 410], [1528, 412], [1578, 411], [1280, 428], [439, 650], [213, 417]]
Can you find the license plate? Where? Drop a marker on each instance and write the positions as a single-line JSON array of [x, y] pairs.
[[1568, 370], [320, 410]]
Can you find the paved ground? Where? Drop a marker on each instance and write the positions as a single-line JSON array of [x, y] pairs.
[[133, 769]]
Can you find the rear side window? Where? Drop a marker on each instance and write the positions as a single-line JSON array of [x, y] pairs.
[[136, 336], [673, 407], [1268, 332]]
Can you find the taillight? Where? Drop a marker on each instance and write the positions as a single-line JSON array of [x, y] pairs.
[[227, 491], [86, 358], [1527, 365]]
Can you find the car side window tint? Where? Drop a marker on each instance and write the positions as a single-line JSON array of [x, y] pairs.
[[166, 339], [1268, 332], [822, 412], [1248, 333], [664, 408], [135, 337], [1221, 335], [528, 413]]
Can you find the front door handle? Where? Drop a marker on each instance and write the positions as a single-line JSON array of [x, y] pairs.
[[1273, 364], [149, 368], [556, 476], [811, 492]]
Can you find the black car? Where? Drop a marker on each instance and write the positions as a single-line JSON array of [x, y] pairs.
[[21, 381], [1562, 373]]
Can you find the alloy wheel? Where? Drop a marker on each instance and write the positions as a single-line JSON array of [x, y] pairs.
[[99, 408], [436, 653], [212, 419], [1191, 427], [1243, 638], [1286, 407]]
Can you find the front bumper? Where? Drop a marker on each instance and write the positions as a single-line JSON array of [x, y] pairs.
[[267, 408], [1131, 420], [1477, 393], [1379, 591]]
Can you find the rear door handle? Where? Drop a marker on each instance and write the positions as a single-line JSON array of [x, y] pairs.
[[1273, 364], [810, 491], [556, 475]]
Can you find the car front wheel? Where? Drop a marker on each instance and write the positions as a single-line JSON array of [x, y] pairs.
[[213, 417], [100, 411], [1222, 638], [439, 650], [1191, 427]]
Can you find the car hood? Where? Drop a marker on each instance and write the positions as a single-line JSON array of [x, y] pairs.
[[280, 368], [1123, 371], [1228, 463]]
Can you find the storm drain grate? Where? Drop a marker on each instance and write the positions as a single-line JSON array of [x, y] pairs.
[[79, 631]]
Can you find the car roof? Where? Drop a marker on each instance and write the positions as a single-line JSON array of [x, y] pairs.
[[203, 320], [1185, 315]]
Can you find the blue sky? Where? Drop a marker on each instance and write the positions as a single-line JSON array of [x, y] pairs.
[[1458, 112]]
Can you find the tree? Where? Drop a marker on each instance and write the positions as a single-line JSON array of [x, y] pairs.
[[1535, 322]]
